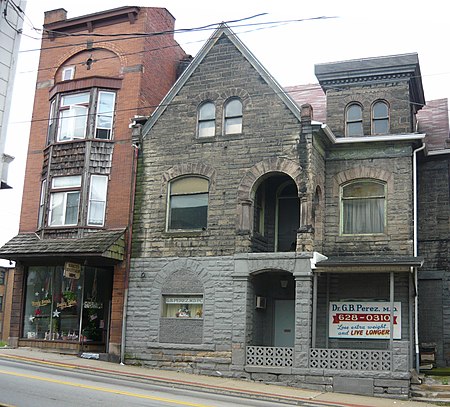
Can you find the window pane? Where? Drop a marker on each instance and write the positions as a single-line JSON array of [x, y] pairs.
[[72, 123], [363, 216], [97, 200], [105, 113], [233, 126], [381, 126], [206, 129], [66, 182], [207, 111], [183, 307], [56, 209], [354, 112], [75, 99], [354, 129], [189, 185], [380, 110], [233, 108], [73, 199], [188, 211], [363, 189]]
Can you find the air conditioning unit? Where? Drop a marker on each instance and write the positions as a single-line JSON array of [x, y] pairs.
[[261, 302]]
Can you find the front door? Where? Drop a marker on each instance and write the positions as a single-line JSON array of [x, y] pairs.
[[284, 323]]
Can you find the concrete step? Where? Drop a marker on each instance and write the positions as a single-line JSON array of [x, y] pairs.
[[431, 391]]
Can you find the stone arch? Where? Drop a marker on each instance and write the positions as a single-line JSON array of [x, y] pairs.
[[198, 168]]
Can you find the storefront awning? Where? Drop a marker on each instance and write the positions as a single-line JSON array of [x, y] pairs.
[[102, 244], [379, 264]]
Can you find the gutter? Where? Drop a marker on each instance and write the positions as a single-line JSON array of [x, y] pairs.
[[415, 251]]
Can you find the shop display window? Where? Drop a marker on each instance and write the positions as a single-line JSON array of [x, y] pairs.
[[186, 306], [65, 305]]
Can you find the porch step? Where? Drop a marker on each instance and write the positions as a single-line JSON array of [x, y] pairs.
[[431, 392]]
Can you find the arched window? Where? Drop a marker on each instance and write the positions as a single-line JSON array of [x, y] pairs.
[[363, 207], [188, 203], [206, 120], [380, 118], [233, 116], [353, 120]]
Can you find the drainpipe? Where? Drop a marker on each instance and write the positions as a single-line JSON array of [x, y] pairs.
[[416, 287], [136, 128]]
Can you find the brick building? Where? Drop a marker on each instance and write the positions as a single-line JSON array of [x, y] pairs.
[[270, 246], [72, 246]]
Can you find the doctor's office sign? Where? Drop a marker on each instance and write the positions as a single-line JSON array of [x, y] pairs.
[[364, 320]]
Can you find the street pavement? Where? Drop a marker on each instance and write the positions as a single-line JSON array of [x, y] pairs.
[[241, 388]]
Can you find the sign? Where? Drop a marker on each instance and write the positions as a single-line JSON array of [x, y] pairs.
[[184, 300], [72, 270], [364, 320]]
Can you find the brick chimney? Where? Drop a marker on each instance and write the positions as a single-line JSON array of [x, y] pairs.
[[52, 16]]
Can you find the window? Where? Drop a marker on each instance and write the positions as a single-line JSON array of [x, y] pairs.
[[260, 203], [183, 306], [188, 204], [97, 200], [233, 117], [88, 114], [68, 73], [1, 303], [363, 207], [207, 120], [2, 277], [42, 203], [380, 118], [105, 112], [73, 113], [353, 121], [64, 201]]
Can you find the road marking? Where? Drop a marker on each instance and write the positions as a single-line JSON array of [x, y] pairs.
[[104, 389]]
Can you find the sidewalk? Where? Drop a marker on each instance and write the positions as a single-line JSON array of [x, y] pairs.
[[222, 385]]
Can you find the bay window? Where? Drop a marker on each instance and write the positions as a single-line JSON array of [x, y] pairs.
[[73, 112], [64, 201]]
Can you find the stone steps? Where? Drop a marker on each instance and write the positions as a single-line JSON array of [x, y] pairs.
[[431, 392]]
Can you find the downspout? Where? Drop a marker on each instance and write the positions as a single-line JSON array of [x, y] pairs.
[[416, 287], [136, 130]]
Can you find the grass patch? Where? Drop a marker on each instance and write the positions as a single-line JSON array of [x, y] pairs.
[[3, 344]]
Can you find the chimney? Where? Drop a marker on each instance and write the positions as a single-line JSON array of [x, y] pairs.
[[53, 16]]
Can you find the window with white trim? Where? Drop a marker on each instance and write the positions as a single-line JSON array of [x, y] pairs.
[[353, 120], [380, 117], [68, 73], [233, 116], [87, 114], [42, 203], [363, 207], [188, 204], [206, 126], [97, 200], [64, 201]]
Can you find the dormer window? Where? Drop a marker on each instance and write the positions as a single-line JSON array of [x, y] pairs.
[[380, 117], [353, 121]]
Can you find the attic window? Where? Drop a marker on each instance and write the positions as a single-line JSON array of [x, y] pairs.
[[68, 73]]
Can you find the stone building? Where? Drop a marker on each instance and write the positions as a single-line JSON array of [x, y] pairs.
[[71, 252], [269, 245]]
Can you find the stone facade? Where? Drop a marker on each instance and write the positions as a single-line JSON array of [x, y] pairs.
[[238, 271]]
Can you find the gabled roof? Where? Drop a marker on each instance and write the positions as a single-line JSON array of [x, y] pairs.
[[222, 30]]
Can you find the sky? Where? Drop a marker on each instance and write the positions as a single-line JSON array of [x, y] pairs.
[[288, 37]]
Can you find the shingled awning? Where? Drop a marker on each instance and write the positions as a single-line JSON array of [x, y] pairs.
[[107, 245]]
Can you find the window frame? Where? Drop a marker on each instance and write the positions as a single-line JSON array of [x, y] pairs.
[[92, 113], [68, 73], [65, 191], [229, 117], [211, 120], [42, 201], [385, 118], [349, 122], [343, 199], [169, 215], [91, 201]]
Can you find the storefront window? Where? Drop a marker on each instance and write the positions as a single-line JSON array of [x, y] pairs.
[[183, 306], [66, 303]]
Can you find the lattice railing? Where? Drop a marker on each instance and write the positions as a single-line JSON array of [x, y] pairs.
[[269, 356], [350, 359]]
